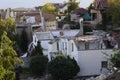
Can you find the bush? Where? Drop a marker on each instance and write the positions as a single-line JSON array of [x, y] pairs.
[[62, 68], [115, 59], [76, 68], [100, 26], [38, 65]]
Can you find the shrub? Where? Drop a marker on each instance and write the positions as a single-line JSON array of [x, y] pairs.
[[115, 59], [62, 68], [76, 68], [38, 65]]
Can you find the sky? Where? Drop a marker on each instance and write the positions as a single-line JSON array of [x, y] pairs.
[[32, 3]]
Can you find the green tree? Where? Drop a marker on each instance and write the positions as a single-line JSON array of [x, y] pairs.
[[114, 11], [98, 4], [90, 7], [38, 65], [62, 68], [115, 59], [37, 50], [23, 41], [8, 58], [9, 26], [72, 5], [49, 8]]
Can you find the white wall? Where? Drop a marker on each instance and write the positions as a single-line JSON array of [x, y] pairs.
[[44, 42], [90, 61], [53, 47], [35, 40], [63, 46], [74, 53], [99, 17]]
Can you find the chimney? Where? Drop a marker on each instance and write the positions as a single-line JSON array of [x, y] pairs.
[[81, 26], [42, 21], [61, 33]]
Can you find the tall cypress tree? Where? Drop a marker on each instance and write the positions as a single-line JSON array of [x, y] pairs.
[[24, 41], [37, 50]]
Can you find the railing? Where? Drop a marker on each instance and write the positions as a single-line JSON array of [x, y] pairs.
[[55, 53]]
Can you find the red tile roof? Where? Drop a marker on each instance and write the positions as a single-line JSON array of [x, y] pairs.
[[80, 11], [36, 14]]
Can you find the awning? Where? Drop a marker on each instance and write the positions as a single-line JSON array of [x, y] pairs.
[[86, 16]]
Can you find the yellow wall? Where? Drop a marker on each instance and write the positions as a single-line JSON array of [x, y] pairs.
[[50, 24], [109, 1]]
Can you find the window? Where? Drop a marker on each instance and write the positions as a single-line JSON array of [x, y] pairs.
[[86, 45], [66, 46], [104, 64], [63, 45], [72, 47], [57, 46], [94, 16]]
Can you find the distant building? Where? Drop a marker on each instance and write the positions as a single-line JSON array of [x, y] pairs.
[[93, 18], [30, 16], [30, 20], [2, 14], [96, 17], [62, 7], [78, 13]]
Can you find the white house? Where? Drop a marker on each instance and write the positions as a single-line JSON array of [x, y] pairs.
[[49, 40], [88, 51]]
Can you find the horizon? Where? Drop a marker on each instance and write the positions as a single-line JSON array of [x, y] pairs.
[[35, 3]]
